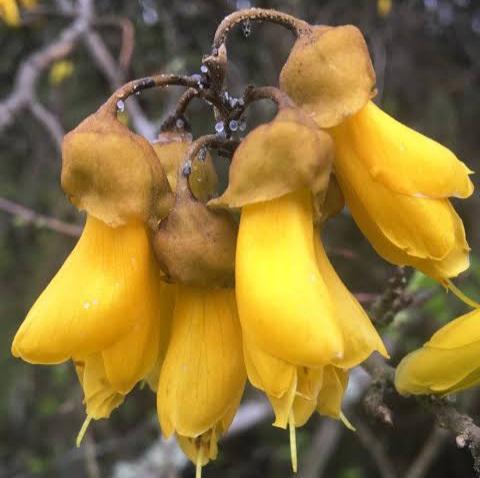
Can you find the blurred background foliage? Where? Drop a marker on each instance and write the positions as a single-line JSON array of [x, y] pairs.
[[427, 58]]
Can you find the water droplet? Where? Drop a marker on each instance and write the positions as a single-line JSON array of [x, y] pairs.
[[233, 125], [220, 127], [121, 106], [247, 28], [204, 69], [187, 168], [233, 102], [202, 154], [196, 77], [179, 123], [149, 13], [86, 305]]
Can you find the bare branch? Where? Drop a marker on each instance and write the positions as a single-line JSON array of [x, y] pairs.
[[49, 121], [31, 68], [39, 220], [430, 450]]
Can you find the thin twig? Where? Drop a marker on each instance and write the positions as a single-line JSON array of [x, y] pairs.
[[430, 450], [50, 122], [23, 93], [39, 220]]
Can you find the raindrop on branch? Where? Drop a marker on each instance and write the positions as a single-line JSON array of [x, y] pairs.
[[179, 123], [187, 168], [204, 69], [202, 154], [220, 127], [246, 28], [121, 106], [233, 125]]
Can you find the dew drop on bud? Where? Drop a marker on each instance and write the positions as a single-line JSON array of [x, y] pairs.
[[202, 154], [179, 123], [247, 28], [233, 125], [219, 127], [204, 69], [121, 106], [187, 168]]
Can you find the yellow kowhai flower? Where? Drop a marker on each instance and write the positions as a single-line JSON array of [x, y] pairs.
[[106, 309], [10, 13], [447, 363], [396, 181], [297, 316], [203, 376]]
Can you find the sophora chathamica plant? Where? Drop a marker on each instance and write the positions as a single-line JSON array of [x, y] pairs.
[[167, 285]]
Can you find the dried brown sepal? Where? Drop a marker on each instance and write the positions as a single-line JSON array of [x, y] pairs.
[[328, 203], [329, 74], [194, 245], [279, 157], [171, 148], [113, 173]]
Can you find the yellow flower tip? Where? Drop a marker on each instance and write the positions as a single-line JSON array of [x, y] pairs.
[[461, 295], [347, 422], [275, 248], [83, 430], [293, 442], [105, 285]]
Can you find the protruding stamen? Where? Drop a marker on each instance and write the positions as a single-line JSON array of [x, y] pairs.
[[464, 298], [83, 430], [293, 441], [346, 422], [199, 465]]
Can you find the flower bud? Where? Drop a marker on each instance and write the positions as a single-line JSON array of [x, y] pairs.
[[113, 173], [288, 154], [171, 149], [194, 245], [329, 73]]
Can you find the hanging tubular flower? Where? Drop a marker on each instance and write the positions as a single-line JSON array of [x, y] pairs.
[[296, 314], [396, 182], [203, 375], [447, 363], [106, 308]]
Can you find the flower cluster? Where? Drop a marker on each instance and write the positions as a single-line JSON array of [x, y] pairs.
[[166, 285]]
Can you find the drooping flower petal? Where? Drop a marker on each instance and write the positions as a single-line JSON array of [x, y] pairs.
[[359, 335], [335, 381], [402, 159], [102, 290], [447, 363], [281, 296], [100, 397], [422, 232], [203, 375], [132, 357]]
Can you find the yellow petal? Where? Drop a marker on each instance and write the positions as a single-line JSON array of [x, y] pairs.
[[9, 12], [335, 381], [402, 159], [283, 302], [422, 232], [310, 382], [462, 331], [100, 397], [359, 335], [432, 370], [167, 302], [133, 356], [99, 294], [203, 373]]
